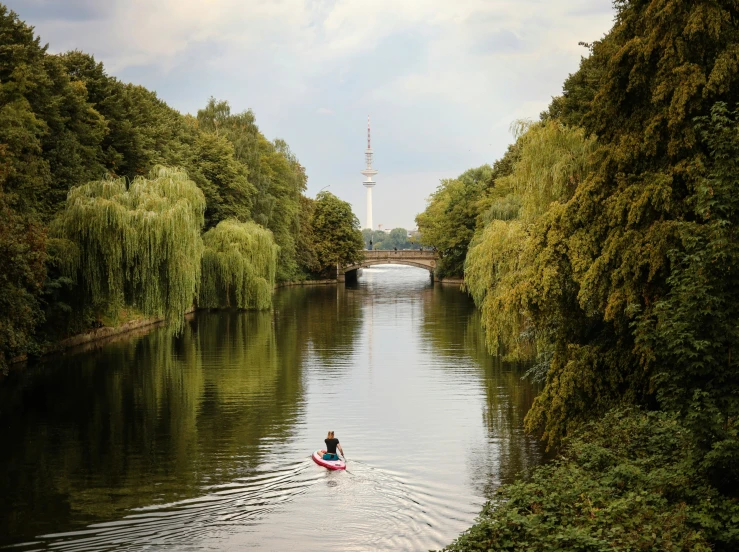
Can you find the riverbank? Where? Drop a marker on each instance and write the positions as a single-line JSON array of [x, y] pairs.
[[107, 334], [630, 481], [325, 282], [99, 337], [449, 281]]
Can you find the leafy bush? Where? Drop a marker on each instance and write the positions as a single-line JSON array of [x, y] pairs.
[[628, 482]]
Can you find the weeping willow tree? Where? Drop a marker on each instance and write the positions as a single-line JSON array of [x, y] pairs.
[[139, 245], [505, 269], [238, 268]]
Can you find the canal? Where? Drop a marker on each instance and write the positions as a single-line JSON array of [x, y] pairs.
[[203, 441]]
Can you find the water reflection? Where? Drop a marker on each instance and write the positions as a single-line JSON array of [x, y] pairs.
[[93, 436], [328, 318], [455, 331], [203, 440]]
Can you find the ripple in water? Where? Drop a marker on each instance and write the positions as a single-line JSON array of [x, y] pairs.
[[204, 441]]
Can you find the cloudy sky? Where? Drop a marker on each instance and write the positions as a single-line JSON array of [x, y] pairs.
[[441, 79]]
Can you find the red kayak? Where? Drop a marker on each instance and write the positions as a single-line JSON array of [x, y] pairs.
[[330, 464]]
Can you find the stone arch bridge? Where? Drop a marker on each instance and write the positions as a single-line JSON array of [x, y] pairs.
[[408, 257]]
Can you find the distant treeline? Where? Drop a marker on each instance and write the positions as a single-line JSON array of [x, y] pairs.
[[397, 238], [106, 191], [603, 251]]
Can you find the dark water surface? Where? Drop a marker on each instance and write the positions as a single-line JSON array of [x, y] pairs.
[[203, 442]]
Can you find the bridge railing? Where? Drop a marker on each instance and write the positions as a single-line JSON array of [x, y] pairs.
[[404, 253]]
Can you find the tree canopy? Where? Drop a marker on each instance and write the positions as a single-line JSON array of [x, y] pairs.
[[139, 245], [275, 174], [69, 134], [239, 265], [398, 238], [22, 255], [450, 219], [339, 240], [605, 257]]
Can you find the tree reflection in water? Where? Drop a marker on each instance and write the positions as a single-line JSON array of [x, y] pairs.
[[509, 451], [187, 439]]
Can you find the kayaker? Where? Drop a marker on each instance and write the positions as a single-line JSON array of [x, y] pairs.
[[331, 444]]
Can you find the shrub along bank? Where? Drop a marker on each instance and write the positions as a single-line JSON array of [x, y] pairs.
[[630, 481]]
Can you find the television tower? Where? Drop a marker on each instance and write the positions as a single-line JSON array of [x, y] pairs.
[[369, 172]]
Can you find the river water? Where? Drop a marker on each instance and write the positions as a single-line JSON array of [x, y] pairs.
[[203, 442]]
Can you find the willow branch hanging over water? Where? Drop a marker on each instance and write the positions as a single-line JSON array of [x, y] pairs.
[[139, 245], [239, 265], [505, 266]]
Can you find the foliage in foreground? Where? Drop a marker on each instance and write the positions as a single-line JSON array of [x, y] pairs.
[[614, 256], [506, 270], [649, 236], [238, 268], [631, 481]]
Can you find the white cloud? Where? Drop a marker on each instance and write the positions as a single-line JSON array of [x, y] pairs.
[[443, 80]]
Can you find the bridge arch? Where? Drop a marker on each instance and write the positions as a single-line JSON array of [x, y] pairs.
[[419, 259]]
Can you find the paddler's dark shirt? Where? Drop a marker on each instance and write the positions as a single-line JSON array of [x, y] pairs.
[[331, 445]]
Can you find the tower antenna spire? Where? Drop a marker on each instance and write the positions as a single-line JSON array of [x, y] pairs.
[[369, 172]]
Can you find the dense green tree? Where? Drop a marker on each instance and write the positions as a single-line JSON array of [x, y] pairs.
[[614, 259], [228, 192], [64, 122], [450, 219], [275, 173], [288, 181], [306, 246], [337, 234], [24, 174], [506, 271], [139, 244], [396, 238], [49, 140], [368, 235], [22, 254], [49, 135], [142, 130], [692, 334], [376, 236], [662, 65], [624, 281], [239, 262]]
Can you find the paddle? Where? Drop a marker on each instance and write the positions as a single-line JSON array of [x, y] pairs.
[[345, 468]]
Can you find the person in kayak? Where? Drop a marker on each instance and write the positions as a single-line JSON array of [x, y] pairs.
[[331, 445]]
